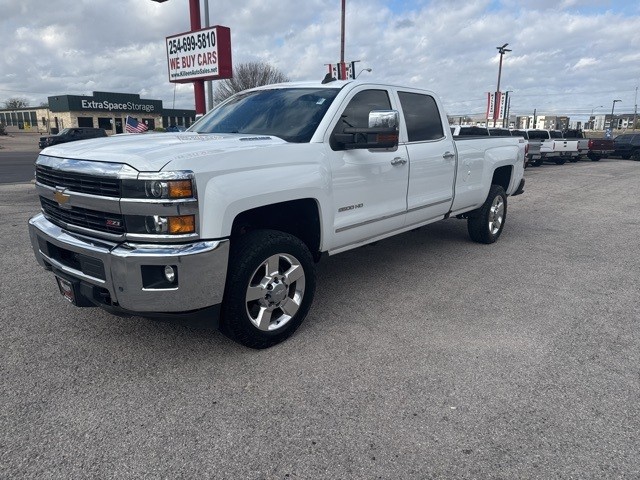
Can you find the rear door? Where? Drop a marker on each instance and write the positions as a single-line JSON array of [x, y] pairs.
[[432, 157]]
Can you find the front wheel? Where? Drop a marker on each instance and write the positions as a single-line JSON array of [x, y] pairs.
[[636, 155], [485, 224], [270, 287]]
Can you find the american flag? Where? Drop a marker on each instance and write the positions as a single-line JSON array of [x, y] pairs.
[[134, 126]]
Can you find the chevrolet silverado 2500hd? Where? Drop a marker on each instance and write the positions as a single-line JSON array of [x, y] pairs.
[[229, 217]]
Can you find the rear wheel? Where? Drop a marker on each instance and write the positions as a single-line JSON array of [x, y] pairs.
[[537, 162], [594, 158], [485, 224], [270, 287], [560, 161], [636, 155]]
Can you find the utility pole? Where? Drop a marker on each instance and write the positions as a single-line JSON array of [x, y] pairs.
[[343, 66], [635, 109]]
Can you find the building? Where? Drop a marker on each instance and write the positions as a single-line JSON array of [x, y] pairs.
[[106, 110]]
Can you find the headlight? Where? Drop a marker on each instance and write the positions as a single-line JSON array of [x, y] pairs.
[[160, 186], [168, 189]]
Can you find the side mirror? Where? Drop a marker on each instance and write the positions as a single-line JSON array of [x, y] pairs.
[[381, 133]]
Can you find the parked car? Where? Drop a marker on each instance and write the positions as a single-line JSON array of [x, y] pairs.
[[72, 135], [627, 146], [600, 148]]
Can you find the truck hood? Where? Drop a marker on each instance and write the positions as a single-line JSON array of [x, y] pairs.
[[150, 152]]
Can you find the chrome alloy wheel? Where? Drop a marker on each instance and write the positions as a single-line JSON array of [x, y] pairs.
[[496, 215], [275, 292]]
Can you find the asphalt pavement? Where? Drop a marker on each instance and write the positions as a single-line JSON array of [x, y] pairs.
[[424, 356]]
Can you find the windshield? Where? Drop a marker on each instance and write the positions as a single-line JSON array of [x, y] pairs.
[[65, 131], [293, 114], [555, 134]]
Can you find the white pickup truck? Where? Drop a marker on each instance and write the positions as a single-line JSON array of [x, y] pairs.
[[228, 219], [547, 145]]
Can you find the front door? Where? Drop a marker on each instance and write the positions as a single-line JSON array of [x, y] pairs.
[[369, 185], [118, 125]]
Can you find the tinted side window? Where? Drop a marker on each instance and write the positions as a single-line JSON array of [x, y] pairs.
[[357, 112], [422, 116]]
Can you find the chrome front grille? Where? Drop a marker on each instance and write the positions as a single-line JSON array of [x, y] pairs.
[[101, 221], [78, 182]]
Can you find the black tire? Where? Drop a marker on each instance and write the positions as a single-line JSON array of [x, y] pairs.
[[537, 162], [481, 223], [636, 155], [626, 157], [595, 158], [560, 161], [282, 300], [574, 159]]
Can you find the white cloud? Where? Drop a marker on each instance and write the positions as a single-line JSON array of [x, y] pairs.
[[561, 58]]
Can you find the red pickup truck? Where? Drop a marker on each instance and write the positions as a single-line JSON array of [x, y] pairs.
[[600, 148]]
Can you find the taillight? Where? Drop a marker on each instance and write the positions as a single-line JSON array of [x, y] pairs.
[[590, 144], [526, 148]]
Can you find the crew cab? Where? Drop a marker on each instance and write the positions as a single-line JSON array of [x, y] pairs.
[[228, 219], [72, 135]]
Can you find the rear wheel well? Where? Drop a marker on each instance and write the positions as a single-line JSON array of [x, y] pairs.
[[300, 218], [502, 176]]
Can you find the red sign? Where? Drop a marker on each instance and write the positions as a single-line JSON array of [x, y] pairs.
[[200, 55]]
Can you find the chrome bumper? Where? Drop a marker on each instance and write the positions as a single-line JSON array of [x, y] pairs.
[[118, 268]]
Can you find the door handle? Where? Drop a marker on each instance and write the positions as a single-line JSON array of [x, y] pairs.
[[448, 155], [398, 161]]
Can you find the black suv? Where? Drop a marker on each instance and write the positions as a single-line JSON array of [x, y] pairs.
[[71, 135], [627, 146]]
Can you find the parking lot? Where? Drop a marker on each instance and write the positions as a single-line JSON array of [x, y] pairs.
[[424, 356]]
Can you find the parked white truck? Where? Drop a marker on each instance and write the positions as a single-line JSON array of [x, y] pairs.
[[547, 145], [228, 219]]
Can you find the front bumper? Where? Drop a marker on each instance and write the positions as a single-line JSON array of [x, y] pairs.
[[117, 274]]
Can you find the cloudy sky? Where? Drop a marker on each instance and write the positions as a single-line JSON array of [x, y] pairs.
[[569, 56]]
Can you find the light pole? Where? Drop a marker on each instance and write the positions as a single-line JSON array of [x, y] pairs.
[[363, 70], [612, 107], [591, 118], [502, 50]]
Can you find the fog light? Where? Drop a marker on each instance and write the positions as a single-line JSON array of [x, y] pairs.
[[169, 273]]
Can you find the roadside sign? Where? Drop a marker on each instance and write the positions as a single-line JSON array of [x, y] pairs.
[[199, 55]]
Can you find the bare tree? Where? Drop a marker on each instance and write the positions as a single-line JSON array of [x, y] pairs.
[[15, 103], [248, 75]]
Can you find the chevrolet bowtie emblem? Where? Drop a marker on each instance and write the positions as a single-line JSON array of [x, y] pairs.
[[61, 197]]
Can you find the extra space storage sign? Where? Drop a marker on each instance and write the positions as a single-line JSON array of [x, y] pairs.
[[200, 55]]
